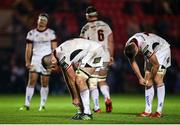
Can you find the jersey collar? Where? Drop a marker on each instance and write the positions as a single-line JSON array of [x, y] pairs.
[[41, 30]]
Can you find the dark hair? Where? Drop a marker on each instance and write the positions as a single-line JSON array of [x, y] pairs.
[[91, 11], [130, 51], [46, 61], [44, 14]]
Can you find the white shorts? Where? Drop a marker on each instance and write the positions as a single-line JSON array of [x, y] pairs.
[[106, 56], [37, 66], [163, 57], [96, 61]]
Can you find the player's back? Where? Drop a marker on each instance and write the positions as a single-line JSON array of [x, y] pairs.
[[96, 31], [75, 49], [150, 39], [79, 43]]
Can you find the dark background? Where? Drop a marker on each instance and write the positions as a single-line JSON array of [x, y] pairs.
[[67, 17]]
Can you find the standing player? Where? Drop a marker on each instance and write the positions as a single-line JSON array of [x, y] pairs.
[[78, 59], [40, 42], [99, 31], [157, 59]]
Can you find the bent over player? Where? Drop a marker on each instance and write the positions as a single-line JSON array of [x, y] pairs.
[[40, 41], [157, 56], [100, 32], [78, 59]]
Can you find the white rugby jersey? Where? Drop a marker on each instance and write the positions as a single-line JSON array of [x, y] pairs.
[[72, 51], [41, 41], [149, 43], [97, 31]]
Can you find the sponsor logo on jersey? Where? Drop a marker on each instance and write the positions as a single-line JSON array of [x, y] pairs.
[[148, 54], [63, 64], [145, 49], [97, 60]]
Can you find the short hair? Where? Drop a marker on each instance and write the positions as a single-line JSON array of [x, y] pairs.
[[44, 15], [46, 61], [130, 51], [91, 11]]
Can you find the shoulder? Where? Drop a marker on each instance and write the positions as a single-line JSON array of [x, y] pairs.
[[100, 22], [134, 38], [86, 26], [103, 25], [31, 32], [50, 30], [140, 37], [30, 35]]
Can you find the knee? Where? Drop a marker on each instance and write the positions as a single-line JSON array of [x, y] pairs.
[[44, 84], [81, 83], [158, 80], [150, 82], [92, 83], [31, 82], [101, 83]]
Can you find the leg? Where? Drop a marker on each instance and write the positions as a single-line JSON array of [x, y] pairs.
[[149, 95], [160, 90], [33, 76], [105, 90], [84, 92], [69, 77], [149, 90], [164, 58], [83, 88], [94, 93], [44, 91], [30, 88]]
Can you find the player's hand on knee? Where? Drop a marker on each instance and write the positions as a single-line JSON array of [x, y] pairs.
[[147, 83]]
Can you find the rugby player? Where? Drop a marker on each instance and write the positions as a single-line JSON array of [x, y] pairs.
[[157, 57], [78, 58], [39, 42], [99, 31]]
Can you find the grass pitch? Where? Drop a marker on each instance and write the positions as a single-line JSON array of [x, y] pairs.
[[59, 110]]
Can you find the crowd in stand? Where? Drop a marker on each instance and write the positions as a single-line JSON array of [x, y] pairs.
[[67, 17]]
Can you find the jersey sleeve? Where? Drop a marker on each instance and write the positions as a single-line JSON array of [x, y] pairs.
[[109, 31], [84, 30], [144, 45], [63, 61], [52, 35], [146, 49], [29, 37]]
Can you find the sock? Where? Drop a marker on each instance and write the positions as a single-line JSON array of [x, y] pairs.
[[29, 94], [86, 101], [105, 91], [44, 94], [149, 95], [95, 98], [160, 96]]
